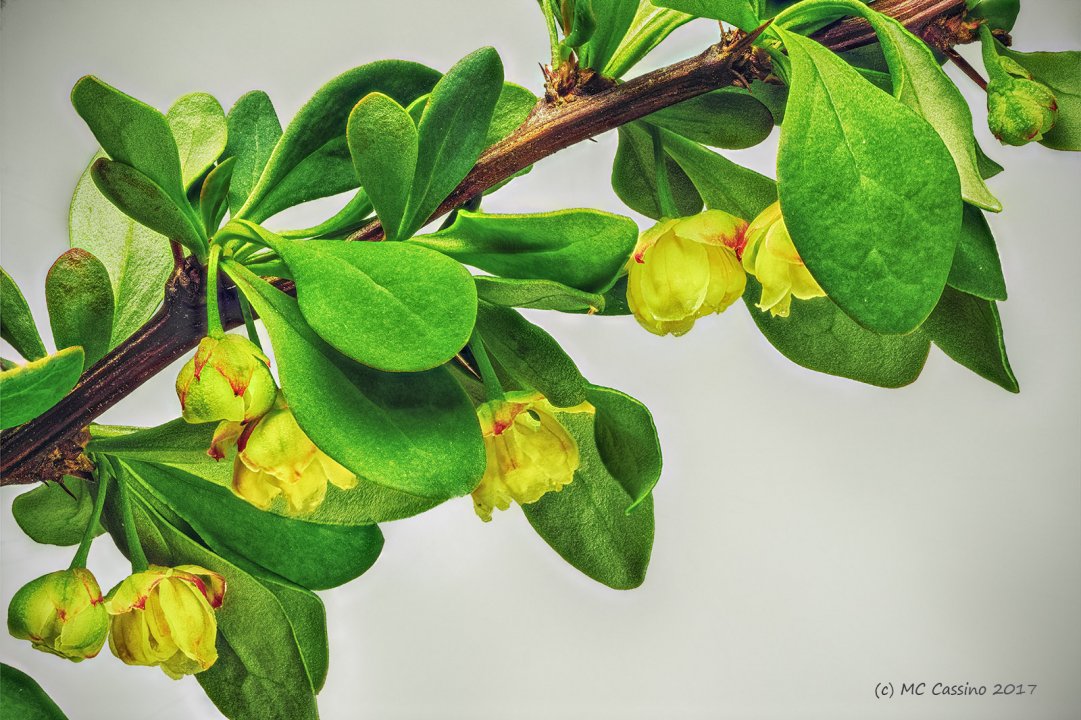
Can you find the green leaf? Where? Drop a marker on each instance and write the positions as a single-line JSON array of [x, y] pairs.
[[634, 175], [976, 268], [585, 249], [79, 296], [353, 215], [312, 554], [722, 184], [31, 389], [141, 199], [587, 523], [773, 95], [529, 356], [511, 110], [253, 131], [391, 306], [214, 195], [615, 299], [870, 193], [452, 132], [16, 322], [138, 259], [627, 442], [1061, 72], [132, 133], [920, 83], [651, 25], [729, 118], [416, 433], [537, 295], [50, 516], [968, 329], [818, 336], [198, 125], [315, 143], [613, 18], [383, 142], [22, 697], [744, 14], [261, 672]]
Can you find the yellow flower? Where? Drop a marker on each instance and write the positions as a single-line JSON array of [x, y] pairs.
[[685, 269], [529, 451], [275, 457], [61, 613], [165, 617], [771, 257], [228, 379]]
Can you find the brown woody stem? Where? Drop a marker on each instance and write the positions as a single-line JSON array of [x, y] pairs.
[[50, 445]]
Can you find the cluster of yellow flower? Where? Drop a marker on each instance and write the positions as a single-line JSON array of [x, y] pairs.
[[686, 268], [229, 381], [159, 617]]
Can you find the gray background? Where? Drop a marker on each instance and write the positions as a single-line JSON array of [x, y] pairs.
[[814, 536]]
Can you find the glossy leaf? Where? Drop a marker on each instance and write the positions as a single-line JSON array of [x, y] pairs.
[[585, 249], [406, 308], [312, 554], [138, 259], [722, 184], [650, 26], [79, 296], [627, 442], [1061, 72], [16, 322], [968, 329], [729, 118], [261, 672], [452, 132], [49, 515], [253, 131], [22, 697], [31, 389], [529, 357], [634, 175], [744, 14], [587, 523], [198, 125], [214, 195], [314, 142], [416, 433], [870, 193], [976, 268], [141, 199], [819, 336], [383, 142], [131, 133], [920, 83], [537, 295], [613, 20]]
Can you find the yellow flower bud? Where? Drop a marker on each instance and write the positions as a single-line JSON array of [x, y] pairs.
[[685, 269], [275, 457], [228, 379], [771, 257], [165, 617], [529, 451], [61, 613]]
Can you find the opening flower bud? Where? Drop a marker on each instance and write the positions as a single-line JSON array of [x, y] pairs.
[[771, 257], [529, 451], [61, 613], [228, 379], [684, 269], [165, 617], [275, 457]]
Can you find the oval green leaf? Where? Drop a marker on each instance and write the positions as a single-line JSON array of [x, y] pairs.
[[383, 143], [79, 296], [198, 125], [29, 390], [22, 697], [16, 322], [253, 130], [51, 516], [870, 193]]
